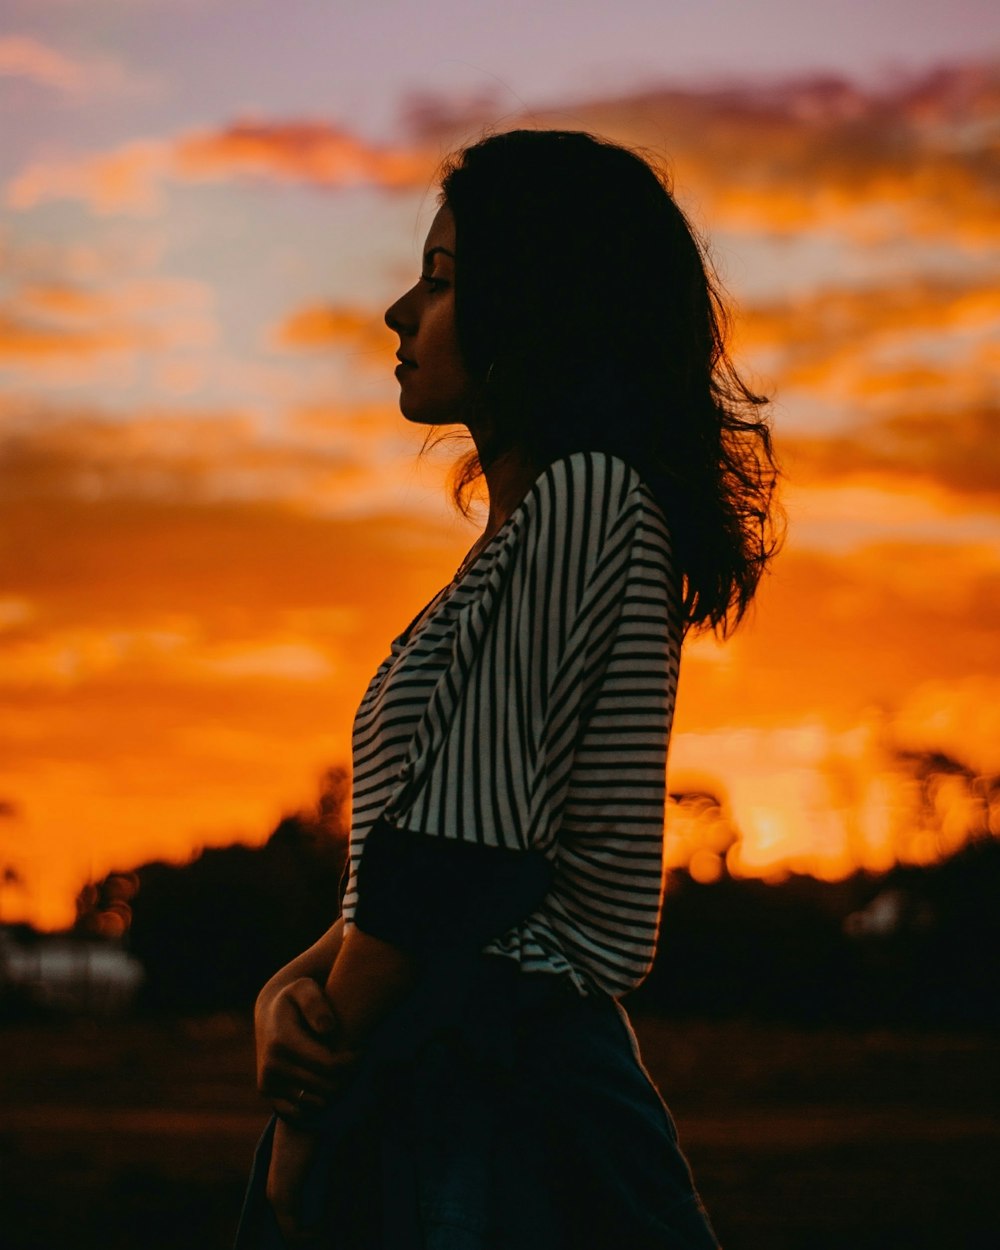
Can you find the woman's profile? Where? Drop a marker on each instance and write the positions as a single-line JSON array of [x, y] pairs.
[[450, 1064]]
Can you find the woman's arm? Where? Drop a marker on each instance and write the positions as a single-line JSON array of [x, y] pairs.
[[301, 1049], [314, 963], [367, 978]]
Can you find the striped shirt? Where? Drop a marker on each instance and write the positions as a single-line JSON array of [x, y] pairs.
[[529, 706]]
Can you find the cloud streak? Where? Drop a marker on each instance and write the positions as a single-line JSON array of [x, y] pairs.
[[76, 329], [814, 153], [360, 333], [131, 178], [957, 451], [312, 152], [23, 58]]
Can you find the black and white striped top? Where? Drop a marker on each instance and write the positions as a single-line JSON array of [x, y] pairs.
[[529, 706]]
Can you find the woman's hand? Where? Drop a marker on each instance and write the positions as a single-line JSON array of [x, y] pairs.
[[291, 1154], [301, 1060]]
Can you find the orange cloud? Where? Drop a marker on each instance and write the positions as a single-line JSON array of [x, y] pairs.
[[811, 153], [957, 450], [25, 58], [22, 56], [63, 334], [918, 346], [943, 198], [361, 333], [27, 345], [863, 316], [105, 259], [312, 152], [834, 632], [65, 303], [192, 457], [128, 179], [808, 154]]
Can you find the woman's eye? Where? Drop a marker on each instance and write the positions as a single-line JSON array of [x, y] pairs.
[[436, 284]]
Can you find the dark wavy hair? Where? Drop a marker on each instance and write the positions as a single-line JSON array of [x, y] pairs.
[[589, 315]]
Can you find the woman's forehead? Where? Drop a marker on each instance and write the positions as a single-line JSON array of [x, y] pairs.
[[442, 230]]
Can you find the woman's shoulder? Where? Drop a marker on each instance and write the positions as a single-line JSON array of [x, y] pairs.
[[585, 509], [599, 482]]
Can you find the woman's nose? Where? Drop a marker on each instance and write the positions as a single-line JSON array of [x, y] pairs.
[[395, 318]]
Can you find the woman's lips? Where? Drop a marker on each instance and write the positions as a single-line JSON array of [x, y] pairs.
[[403, 367]]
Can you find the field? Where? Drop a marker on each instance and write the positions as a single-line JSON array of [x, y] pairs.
[[136, 1134]]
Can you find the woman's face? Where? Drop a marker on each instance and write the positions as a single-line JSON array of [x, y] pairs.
[[435, 388]]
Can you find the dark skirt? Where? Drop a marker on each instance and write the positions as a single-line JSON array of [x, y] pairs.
[[496, 1111]]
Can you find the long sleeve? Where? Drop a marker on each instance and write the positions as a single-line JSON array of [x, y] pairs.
[[545, 687], [607, 757]]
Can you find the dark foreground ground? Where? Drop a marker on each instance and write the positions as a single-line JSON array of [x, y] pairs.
[[140, 1135]]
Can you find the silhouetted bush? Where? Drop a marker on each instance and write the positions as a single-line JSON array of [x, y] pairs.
[[211, 932], [790, 951], [916, 945]]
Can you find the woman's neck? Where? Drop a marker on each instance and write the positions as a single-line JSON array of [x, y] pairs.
[[508, 479], [509, 476]]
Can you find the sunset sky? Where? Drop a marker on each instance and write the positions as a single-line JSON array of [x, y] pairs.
[[212, 518]]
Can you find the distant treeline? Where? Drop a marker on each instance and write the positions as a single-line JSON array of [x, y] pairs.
[[916, 945]]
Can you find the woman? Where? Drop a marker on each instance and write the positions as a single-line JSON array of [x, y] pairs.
[[450, 1064]]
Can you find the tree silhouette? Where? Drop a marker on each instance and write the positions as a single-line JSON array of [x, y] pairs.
[[210, 932]]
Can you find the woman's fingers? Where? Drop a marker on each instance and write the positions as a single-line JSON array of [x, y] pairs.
[[286, 1058], [301, 1050], [298, 1113], [299, 1065], [314, 1007], [298, 1100], [286, 1036], [288, 1080]]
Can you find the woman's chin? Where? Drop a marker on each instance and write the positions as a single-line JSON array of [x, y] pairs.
[[415, 416], [418, 414]]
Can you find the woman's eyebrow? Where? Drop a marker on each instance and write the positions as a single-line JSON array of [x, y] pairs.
[[432, 252]]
